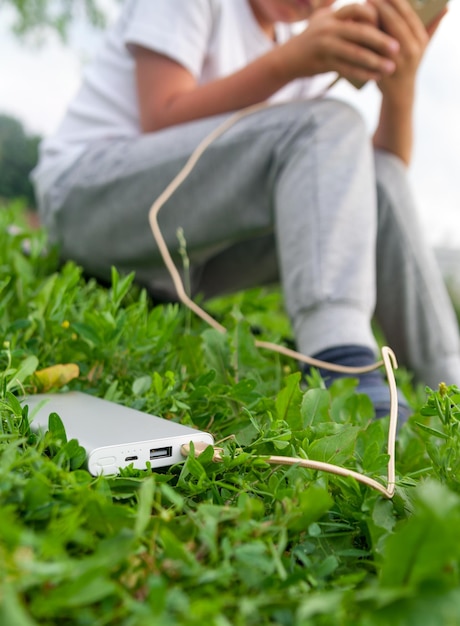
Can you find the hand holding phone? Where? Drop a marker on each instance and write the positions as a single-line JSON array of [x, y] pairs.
[[427, 10]]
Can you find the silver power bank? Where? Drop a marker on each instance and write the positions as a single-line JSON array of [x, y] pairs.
[[113, 435]]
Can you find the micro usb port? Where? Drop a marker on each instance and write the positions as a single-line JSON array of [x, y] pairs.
[[131, 458], [160, 453]]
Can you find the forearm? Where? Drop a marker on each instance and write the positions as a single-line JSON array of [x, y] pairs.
[[251, 85], [394, 132], [395, 128]]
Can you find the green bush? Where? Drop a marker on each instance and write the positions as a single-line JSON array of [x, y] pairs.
[[18, 156]]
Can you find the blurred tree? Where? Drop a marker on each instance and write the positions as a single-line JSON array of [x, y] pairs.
[[18, 156], [38, 16]]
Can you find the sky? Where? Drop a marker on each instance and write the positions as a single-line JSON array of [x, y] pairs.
[[36, 85]]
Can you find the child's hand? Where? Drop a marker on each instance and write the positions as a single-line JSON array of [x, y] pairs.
[[347, 41], [399, 20]]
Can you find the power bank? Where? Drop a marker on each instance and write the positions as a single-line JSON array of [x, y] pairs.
[[113, 435]]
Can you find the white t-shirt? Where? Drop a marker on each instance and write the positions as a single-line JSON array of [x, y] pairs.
[[211, 38]]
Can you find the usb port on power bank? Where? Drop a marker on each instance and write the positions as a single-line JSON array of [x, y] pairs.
[[160, 453], [131, 458]]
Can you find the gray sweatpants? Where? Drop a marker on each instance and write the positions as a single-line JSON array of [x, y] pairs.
[[291, 193]]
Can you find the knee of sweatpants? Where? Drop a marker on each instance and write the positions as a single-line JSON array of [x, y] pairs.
[[336, 114], [331, 122], [392, 180], [389, 166], [341, 125], [339, 113]]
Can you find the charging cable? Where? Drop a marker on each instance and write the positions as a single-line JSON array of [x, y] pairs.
[[388, 357]]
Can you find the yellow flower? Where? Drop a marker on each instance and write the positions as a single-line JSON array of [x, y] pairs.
[[443, 389]]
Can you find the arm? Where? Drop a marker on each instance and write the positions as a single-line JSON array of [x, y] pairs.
[[346, 41], [395, 128]]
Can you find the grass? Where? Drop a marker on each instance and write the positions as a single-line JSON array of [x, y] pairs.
[[232, 543]]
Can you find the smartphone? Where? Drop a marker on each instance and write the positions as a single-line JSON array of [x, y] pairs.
[[428, 10]]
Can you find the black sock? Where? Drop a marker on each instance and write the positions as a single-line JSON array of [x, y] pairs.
[[349, 356], [371, 383]]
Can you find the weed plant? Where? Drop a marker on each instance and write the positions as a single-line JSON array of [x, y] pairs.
[[239, 542]]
